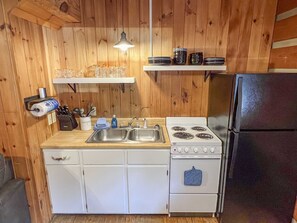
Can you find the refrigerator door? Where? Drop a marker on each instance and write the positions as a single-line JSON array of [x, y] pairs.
[[264, 102], [261, 181]]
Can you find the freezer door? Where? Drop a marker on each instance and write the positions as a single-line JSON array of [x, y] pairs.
[[261, 181], [220, 97], [264, 102]]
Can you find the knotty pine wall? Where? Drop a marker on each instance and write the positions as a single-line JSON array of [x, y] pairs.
[[23, 70], [239, 30], [283, 54]]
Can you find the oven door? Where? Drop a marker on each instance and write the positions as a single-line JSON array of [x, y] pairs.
[[208, 165]]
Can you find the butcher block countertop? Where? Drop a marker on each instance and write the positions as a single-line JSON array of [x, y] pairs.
[[76, 139]]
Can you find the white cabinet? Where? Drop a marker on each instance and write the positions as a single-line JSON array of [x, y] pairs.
[[105, 181], [148, 189], [65, 181], [106, 191], [148, 181], [109, 181]]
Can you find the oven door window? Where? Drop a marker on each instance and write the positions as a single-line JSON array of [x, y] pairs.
[[210, 169]]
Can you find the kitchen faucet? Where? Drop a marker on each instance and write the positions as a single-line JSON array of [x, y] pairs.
[[131, 121]]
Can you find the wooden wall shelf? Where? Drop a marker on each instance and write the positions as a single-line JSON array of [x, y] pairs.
[[49, 13]]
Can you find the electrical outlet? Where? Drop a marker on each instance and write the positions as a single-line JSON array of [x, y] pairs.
[[49, 119], [94, 112], [54, 117]]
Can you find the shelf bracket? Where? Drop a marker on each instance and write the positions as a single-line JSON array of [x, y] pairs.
[[122, 87], [72, 87], [156, 76], [207, 73]]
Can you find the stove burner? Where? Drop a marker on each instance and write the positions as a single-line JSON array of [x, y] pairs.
[[204, 136], [183, 135], [199, 128], [178, 128]]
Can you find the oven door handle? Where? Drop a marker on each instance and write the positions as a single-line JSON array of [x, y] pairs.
[[183, 157]]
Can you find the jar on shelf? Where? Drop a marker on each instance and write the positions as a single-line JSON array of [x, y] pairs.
[[180, 56]]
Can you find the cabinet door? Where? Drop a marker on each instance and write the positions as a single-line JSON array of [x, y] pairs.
[[106, 190], [148, 189], [66, 188]]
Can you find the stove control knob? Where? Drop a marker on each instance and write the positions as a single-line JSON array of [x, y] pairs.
[[195, 150], [205, 150], [186, 149], [212, 150], [179, 150]]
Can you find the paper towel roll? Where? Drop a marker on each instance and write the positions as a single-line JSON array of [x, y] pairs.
[[42, 108]]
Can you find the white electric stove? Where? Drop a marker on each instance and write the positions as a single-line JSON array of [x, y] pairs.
[[195, 165]]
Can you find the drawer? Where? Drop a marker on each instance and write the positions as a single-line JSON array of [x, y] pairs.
[[201, 203], [61, 157], [142, 157], [103, 157]]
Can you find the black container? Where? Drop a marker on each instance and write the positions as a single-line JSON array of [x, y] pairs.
[[196, 58], [67, 122], [180, 56]]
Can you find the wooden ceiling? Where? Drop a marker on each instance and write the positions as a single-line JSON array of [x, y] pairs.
[[49, 13]]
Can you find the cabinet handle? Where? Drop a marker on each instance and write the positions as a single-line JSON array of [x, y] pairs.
[[60, 158]]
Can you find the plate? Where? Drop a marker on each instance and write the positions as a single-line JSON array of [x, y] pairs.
[[159, 60], [211, 59], [214, 63]]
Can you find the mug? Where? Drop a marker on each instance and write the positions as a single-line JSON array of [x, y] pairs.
[[196, 58]]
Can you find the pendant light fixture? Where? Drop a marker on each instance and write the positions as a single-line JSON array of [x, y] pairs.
[[123, 44]]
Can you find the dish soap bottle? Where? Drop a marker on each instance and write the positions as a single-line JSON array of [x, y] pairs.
[[114, 122]]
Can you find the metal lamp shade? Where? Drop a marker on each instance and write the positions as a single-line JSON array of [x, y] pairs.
[[123, 44]]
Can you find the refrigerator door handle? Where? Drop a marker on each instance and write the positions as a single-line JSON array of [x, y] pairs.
[[234, 156], [238, 106]]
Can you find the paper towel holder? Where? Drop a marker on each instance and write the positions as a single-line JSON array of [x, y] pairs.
[[30, 101]]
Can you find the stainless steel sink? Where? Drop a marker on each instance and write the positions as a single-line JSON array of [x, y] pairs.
[[108, 135], [144, 135], [128, 135]]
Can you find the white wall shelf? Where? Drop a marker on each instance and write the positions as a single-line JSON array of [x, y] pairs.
[[206, 68], [95, 80], [185, 68]]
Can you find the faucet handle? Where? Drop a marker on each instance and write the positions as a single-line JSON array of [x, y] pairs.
[[144, 123], [157, 126]]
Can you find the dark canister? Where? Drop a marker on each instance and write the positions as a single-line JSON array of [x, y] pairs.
[[196, 58], [180, 56]]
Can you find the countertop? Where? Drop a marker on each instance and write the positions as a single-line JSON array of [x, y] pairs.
[[76, 139]]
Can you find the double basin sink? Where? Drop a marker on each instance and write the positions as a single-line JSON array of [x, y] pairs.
[[128, 135]]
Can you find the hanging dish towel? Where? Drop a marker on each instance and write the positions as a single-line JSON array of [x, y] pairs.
[[193, 177]]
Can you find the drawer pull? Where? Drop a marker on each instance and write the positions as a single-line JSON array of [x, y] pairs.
[[60, 158]]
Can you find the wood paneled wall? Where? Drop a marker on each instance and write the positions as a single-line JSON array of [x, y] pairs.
[[239, 30], [283, 53], [23, 70]]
